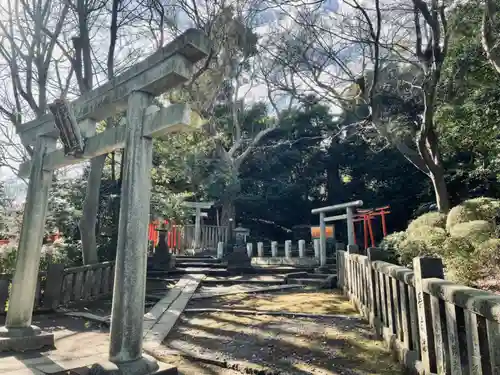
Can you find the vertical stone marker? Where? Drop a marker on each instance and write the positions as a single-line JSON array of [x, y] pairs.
[[288, 249], [316, 248], [250, 249], [133, 91], [302, 248], [274, 249], [260, 249], [220, 250]]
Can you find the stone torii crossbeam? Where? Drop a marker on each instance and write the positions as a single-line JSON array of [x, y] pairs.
[[132, 91]]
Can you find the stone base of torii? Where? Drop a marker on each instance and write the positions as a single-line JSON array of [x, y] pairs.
[[75, 126]]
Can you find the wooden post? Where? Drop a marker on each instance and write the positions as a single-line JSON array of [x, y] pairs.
[[53, 286], [425, 268]]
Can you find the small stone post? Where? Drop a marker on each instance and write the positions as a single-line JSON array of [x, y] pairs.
[[274, 249], [316, 248], [19, 315], [302, 248], [250, 249], [220, 250], [424, 268], [288, 249], [260, 249], [130, 268]]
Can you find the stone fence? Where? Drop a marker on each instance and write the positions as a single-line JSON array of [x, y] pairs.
[[432, 325], [61, 286], [289, 253]]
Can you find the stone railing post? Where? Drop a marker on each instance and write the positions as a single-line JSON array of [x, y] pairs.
[[351, 249], [260, 249], [302, 248], [220, 250], [316, 248], [274, 249], [425, 268], [250, 249], [373, 254], [340, 265], [288, 249], [53, 285]]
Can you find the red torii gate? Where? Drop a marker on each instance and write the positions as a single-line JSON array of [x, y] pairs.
[[366, 217], [172, 235]]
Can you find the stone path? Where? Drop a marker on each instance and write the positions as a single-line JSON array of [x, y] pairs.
[[78, 344], [162, 317]]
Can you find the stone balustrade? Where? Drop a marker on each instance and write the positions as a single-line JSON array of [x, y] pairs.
[[288, 252]]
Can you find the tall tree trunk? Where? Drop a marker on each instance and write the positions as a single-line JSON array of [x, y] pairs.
[[88, 223], [440, 189], [334, 186], [90, 212], [228, 210], [228, 214]]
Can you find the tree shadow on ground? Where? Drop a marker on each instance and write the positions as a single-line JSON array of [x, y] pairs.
[[290, 346], [313, 302]]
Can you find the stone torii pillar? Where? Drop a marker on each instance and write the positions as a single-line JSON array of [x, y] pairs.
[[74, 123], [198, 206]]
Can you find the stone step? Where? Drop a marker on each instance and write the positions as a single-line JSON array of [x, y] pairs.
[[183, 264], [199, 270], [279, 270], [243, 281], [185, 259]]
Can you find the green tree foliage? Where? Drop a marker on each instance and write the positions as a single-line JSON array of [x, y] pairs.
[[468, 110]]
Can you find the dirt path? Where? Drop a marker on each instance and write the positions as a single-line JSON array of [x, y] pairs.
[[278, 345]]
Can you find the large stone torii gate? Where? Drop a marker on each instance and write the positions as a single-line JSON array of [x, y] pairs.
[[131, 91]]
